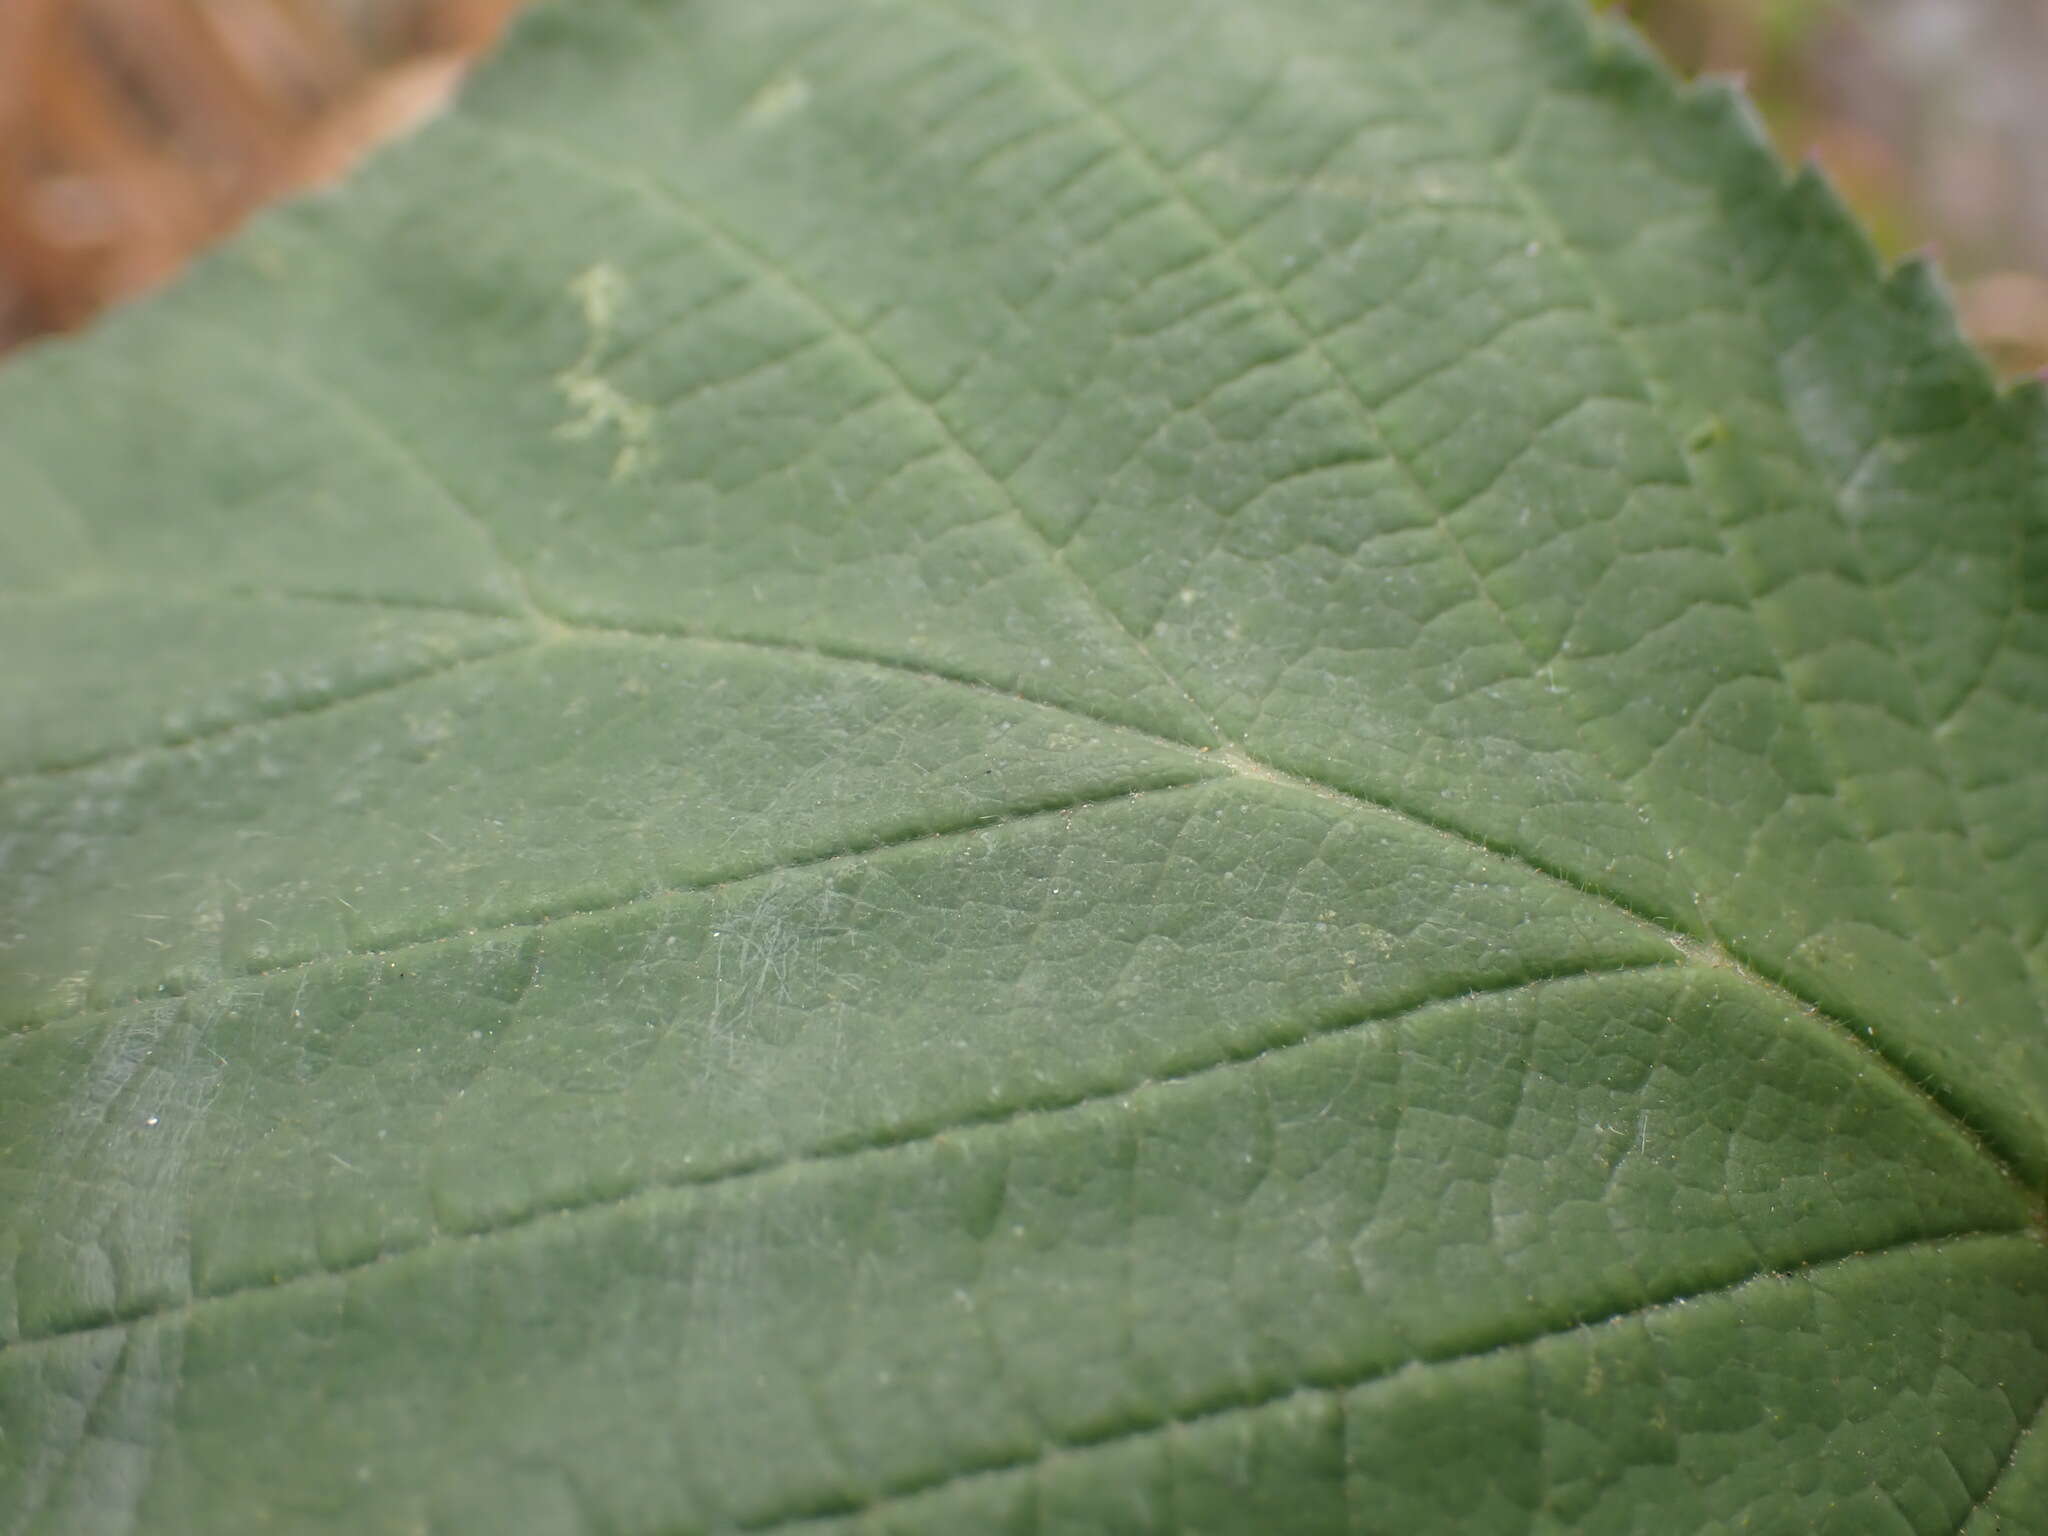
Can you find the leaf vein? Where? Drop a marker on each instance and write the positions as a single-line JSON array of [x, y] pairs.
[[1336, 1385], [1244, 764], [301, 710], [2012, 1456], [661, 193], [1720, 513], [879, 843], [1297, 1035]]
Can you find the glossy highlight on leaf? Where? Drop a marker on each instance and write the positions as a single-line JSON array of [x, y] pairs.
[[1015, 765]]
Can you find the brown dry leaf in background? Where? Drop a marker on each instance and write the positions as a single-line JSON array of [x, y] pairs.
[[134, 131]]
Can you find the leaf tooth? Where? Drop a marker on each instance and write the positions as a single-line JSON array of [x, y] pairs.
[[1825, 219], [1625, 63], [1722, 105]]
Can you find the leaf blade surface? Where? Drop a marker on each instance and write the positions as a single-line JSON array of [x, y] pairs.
[[982, 764]]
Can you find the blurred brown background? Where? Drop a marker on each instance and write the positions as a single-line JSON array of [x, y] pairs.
[[132, 131]]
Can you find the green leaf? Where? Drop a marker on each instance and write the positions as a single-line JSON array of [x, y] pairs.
[[1022, 765]]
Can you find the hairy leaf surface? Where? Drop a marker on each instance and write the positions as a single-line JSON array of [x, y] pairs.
[[1029, 765]]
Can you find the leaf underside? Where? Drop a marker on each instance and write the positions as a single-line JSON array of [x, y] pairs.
[[1023, 765]]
